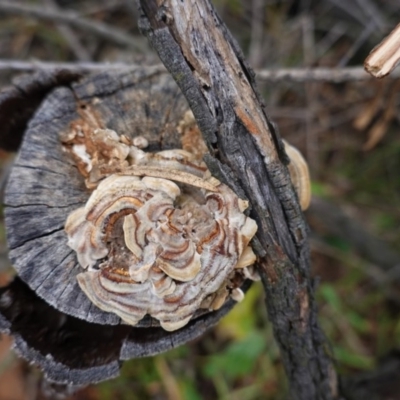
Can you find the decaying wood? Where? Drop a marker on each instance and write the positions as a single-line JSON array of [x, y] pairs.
[[20, 101], [73, 351], [209, 68], [44, 187], [384, 57]]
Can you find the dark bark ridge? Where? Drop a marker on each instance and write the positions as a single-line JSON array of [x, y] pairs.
[[208, 66]]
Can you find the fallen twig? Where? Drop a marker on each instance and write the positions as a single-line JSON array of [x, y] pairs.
[[384, 57], [317, 74]]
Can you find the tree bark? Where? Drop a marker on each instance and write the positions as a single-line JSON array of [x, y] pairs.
[[246, 152]]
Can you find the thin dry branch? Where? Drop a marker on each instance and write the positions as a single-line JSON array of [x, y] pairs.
[[36, 65], [317, 74], [104, 31], [384, 57]]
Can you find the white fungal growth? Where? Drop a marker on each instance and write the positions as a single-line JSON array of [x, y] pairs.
[[110, 143], [140, 142], [80, 151]]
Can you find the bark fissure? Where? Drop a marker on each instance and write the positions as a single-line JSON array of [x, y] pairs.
[[52, 232], [23, 206]]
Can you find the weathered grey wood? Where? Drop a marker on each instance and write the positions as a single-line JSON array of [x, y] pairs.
[[68, 350], [204, 59], [52, 313], [142, 102], [19, 102], [73, 351], [60, 373], [43, 188], [44, 185]]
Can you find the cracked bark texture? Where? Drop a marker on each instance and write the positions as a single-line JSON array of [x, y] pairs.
[[246, 153]]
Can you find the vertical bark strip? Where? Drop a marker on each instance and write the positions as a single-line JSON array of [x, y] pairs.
[[207, 64]]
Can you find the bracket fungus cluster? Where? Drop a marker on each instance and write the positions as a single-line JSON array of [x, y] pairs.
[[159, 236]]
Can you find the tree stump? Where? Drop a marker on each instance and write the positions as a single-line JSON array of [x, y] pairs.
[[53, 322]]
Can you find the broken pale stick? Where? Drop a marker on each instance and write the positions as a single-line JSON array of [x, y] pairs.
[[384, 57]]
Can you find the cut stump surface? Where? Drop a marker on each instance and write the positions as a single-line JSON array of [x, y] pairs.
[[49, 315]]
